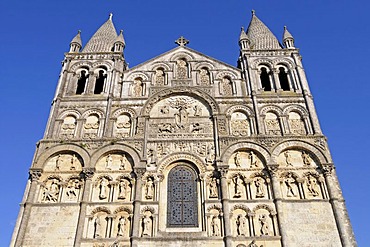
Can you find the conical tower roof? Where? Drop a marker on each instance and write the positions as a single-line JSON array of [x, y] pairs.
[[77, 38], [287, 34], [103, 39], [260, 35], [243, 35], [120, 38]]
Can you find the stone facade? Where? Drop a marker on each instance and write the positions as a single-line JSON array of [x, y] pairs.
[[183, 150]]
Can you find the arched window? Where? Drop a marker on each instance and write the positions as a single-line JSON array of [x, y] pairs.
[[99, 84], [81, 83], [283, 78], [182, 206], [265, 79]]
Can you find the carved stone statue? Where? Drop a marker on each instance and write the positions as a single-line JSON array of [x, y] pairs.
[[260, 189], [123, 162], [103, 188], [215, 226], [73, 162], [290, 182], [226, 86], [254, 160], [204, 77], [210, 155], [149, 188], [109, 162], [238, 186], [159, 77], [137, 88], [72, 188], [238, 159], [306, 158], [288, 158], [147, 225], [312, 186], [181, 117], [58, 162], [197, 110], [151, 158], [264, 230], [97, 227], [213, 193], [51, 194], [241, 225], [182, 69], [122, 189], [122, 226]]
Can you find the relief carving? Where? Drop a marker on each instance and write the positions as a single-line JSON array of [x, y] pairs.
[[182, 69], [204, 77], [51, 191], [215, 226], [241, 225], [159, 77], [264, 227]]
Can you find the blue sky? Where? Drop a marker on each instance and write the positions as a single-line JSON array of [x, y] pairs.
[[333, 37]]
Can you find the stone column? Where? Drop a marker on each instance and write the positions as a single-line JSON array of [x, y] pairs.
[[225, 205], [275, 74], [87, 173], [273, 170], [337, 202], [34, 176], [257, 114], [137, 203]]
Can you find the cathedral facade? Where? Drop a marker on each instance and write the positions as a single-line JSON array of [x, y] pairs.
[[183, 150]]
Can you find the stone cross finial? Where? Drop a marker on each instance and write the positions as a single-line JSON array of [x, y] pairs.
[[182, 41]]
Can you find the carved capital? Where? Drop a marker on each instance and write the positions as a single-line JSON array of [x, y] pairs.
[[88, 173], [35, 174], [273, 169], [328, 169], [223, 171], [140, 172]]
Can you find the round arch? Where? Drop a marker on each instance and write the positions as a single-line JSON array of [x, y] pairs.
[[261, 151], [71, 148]]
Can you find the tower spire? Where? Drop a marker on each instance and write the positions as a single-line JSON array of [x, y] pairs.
[[76, 43], [288, 39]]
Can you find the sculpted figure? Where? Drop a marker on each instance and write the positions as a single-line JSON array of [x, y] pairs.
[[238, 159], [159, 77], [260, 191], [254, 160], [58, 162], [122, 189], [241, 225], [72, 188], [288, 158], [197, 110], [147, 225], [213, 188], [226, 86], [150, 158], [215, 226], [51, 194], [123, 162], [182, 70], [306, 158], [312, 186], [289, 181], [181, 117], [137, 88], [204, 77], [149, 188], [210, 155], [264, 225], [238, 186], [103, 188], [196, 128], [97, 228], [121, 226], [73, 162], [109, 162]]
